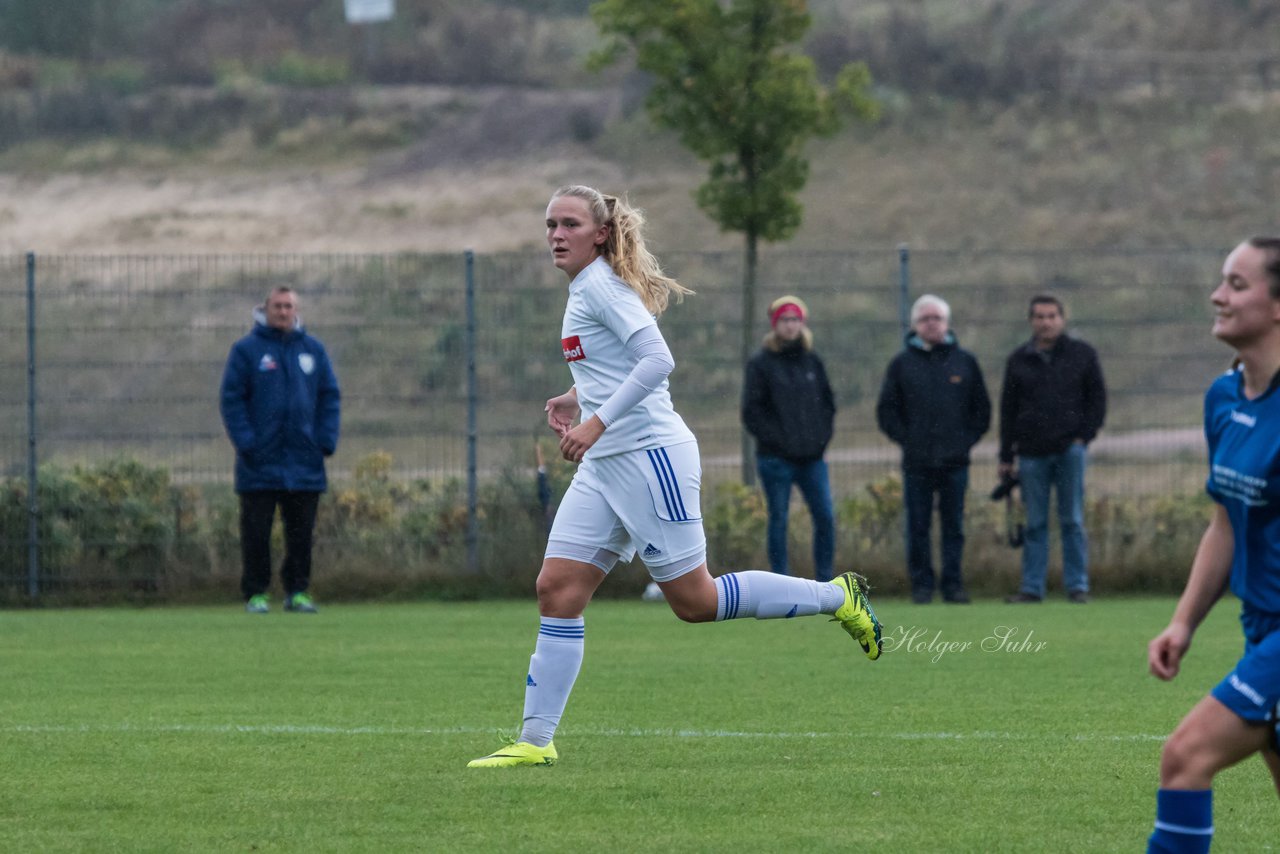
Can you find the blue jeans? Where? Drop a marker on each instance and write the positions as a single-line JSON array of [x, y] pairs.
[[776, 478], [919, 486], [1063, 472]]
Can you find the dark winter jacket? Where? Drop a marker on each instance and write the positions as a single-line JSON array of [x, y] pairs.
[[280, 406], [1047, 404], [787, 402], [934, 404]]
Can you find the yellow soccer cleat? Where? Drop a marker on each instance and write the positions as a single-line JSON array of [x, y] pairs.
[[516, 753], [856, 616]]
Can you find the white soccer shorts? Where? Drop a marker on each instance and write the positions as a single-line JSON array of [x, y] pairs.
[[640, 501]]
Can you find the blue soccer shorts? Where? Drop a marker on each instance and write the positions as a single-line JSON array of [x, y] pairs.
[[1252, 689]]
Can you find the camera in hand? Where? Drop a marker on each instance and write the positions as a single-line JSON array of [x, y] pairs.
[[1012, 510], [1006, 485]]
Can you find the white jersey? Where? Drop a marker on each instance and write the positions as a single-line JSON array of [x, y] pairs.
[[601, 315]]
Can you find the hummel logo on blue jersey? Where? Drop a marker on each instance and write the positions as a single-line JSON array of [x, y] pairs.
[[652, 551], [529, 683], [1241, 418]]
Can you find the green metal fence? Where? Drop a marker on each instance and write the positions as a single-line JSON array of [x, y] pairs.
[[128, 353]]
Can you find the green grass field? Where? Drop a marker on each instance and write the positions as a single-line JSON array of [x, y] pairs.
[[205, 729]]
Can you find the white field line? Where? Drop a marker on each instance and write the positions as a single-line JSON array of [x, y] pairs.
[[586, 732]]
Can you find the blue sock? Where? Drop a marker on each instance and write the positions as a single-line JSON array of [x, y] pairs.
[[1184, 822]]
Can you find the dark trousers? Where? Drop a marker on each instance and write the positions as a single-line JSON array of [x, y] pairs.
[[257, 513], [919, 487]]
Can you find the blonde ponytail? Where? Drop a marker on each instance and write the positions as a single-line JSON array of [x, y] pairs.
[[624, 248]]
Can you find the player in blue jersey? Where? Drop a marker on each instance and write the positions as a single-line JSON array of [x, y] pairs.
[[637, 486], [1240, 548]]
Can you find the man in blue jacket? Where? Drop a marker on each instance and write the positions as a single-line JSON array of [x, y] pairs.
[[933, 402], [280, 405], [1052, 405]]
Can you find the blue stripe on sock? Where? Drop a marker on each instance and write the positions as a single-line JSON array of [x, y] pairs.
[[662, 482], [571, 632], [732, 595]]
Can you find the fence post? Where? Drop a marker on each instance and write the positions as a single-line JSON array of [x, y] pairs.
[[904, 289], [904, 321], [473, 525], [33, 495]]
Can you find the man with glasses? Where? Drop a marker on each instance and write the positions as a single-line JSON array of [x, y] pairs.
[[934, 404]]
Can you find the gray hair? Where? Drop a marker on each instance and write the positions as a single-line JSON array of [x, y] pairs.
[[930, 300]]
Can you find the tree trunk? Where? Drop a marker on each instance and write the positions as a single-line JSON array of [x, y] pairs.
[[748, 345]]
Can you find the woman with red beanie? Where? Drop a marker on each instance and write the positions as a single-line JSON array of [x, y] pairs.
[[788, 406]]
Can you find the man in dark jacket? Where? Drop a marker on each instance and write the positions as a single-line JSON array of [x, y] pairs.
[[933, 402], [1052, 405], [788, 406], [280, 406]]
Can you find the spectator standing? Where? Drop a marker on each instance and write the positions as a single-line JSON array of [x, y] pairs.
[[934, 404], [280, 405], [788, 406], [1052, 405]]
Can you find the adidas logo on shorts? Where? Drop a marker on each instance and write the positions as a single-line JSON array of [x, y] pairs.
[[651, 550]]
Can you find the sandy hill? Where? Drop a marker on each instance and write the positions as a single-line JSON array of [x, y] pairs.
[[1136, 171]]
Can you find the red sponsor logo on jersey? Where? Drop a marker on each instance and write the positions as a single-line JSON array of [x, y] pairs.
[[572, 349]]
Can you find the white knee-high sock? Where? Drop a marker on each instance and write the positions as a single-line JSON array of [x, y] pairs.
[[553, 668], [768, 596]]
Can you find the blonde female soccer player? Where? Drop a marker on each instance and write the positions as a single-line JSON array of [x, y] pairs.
[[637, 485], [1240, 549]]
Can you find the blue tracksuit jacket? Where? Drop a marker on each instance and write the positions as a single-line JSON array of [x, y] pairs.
[[280, 405]]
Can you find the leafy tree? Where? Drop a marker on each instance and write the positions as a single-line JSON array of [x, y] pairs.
[[728, 79]]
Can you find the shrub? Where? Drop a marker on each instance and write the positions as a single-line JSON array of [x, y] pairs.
[[110, 524], [872, 523], [735, 524], [121, 77], [296, 69], [1146, 543], [119, 529]]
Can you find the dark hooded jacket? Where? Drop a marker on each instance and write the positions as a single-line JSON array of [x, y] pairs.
[[280, 405], [933, 402], [787, 402]]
